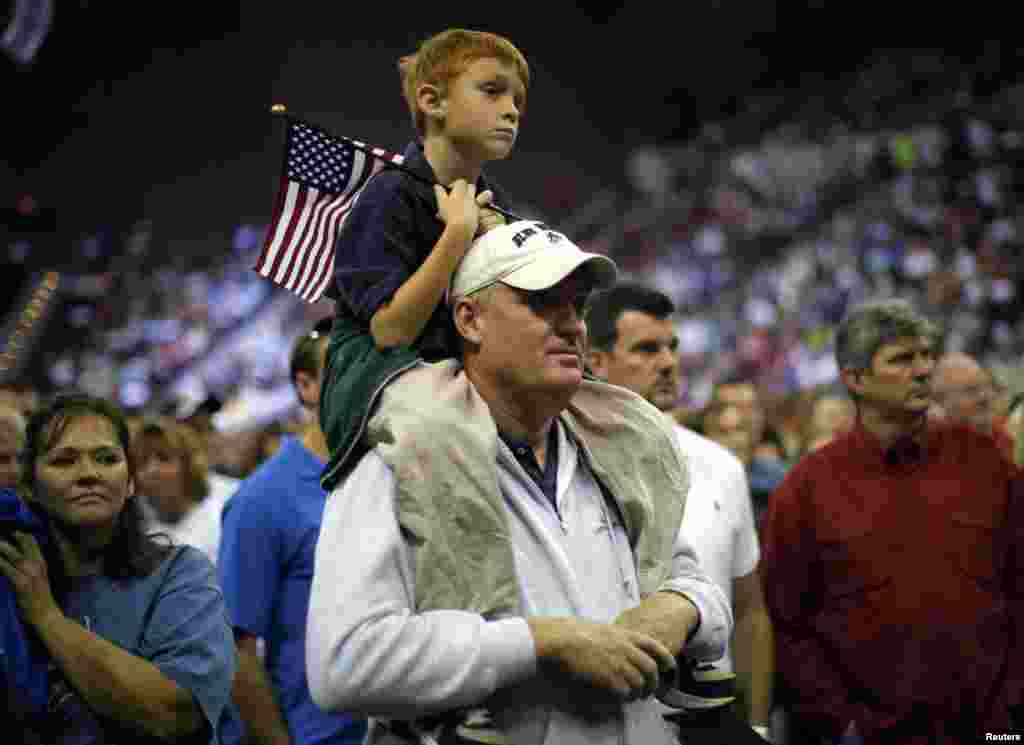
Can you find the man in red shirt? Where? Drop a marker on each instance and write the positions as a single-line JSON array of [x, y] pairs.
[[889, 572]]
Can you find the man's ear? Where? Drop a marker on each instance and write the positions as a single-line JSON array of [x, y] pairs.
[[467, 317], [597, 361], [431, 101]]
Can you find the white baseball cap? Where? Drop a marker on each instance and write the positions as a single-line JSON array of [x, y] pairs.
[[528, 255]]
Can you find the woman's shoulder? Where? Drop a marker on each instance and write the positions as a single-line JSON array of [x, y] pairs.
[[181, 565], [182, 558]]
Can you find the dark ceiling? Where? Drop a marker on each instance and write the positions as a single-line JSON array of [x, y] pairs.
[[126, 100]]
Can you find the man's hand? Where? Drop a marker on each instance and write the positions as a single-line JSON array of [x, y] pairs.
[[624, 663], [665, 616]]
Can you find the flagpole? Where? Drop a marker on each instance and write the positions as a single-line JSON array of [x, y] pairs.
[[279, 109]]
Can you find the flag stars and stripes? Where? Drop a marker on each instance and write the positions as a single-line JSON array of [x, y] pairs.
[[324, 176]]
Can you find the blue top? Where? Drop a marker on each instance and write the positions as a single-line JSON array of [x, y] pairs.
[[23, 661], [269, 536], [174, 618]]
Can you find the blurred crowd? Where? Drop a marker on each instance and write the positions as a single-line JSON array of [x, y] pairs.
[[766, 250]]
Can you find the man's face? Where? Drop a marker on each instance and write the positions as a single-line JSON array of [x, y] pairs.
[[967, 394], [899, 379], [645, 358], [531, 341]]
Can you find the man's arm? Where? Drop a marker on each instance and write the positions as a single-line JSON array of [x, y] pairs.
[[689, 613], [252, 692], [753, 647], [368, 653], [669, 617]]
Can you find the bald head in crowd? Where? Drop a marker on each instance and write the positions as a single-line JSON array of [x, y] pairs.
[[963, 390], [12, 437]]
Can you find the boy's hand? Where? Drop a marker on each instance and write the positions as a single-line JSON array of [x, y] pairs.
[[459, 209], [489, 219]]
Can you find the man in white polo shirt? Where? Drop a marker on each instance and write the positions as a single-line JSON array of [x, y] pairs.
[[633, 343]]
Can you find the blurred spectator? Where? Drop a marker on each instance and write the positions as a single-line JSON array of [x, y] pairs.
[[965, 391], [633, 343], [174, 482], [830, 414], [741, 392], [21, 396], [270, 531], [738, 421], [12, 439], [134, 630], [1015, 426], [726, 424]]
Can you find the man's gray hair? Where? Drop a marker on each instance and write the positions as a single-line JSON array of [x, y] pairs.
[[871, 325]]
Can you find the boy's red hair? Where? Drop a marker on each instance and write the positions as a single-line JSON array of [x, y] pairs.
[[443, 56]]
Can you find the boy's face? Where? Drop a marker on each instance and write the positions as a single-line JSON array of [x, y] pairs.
[[482, 107]]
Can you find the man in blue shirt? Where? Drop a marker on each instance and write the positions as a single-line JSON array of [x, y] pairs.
[[270, 531]]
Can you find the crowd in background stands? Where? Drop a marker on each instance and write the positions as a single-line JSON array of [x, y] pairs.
[[765, 248]]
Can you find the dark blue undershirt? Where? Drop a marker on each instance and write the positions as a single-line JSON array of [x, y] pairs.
[[547, 479]]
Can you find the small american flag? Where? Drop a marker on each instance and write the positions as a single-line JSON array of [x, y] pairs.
[[323, 176]]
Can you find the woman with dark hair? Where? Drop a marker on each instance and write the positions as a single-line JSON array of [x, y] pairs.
[[135, 629]]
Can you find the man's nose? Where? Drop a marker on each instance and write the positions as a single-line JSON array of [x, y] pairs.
[[88, 470], [667, 359], [511, 111]]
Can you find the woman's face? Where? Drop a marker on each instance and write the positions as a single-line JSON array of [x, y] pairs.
[[162, 478], [83, 480]]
